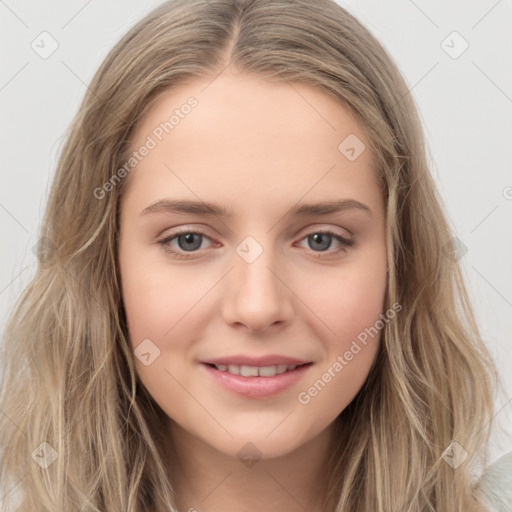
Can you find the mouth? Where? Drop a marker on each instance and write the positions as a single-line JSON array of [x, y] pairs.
[[255, 381], [256, 371]]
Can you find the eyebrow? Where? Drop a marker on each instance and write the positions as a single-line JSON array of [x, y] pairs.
[[206, 208]]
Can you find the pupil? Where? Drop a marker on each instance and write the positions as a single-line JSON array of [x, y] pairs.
[[318, 238], [189, 239]]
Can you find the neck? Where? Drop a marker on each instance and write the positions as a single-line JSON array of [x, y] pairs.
[[207, 480]]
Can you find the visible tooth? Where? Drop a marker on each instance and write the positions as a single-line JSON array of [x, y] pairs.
[[249, 371], [232, 368], [267, 371], [255, 371], [281, 368]]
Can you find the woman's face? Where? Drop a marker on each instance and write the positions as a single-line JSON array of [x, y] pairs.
[[229, 256]]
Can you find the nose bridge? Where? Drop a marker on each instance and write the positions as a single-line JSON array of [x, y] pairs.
[[256, 295]]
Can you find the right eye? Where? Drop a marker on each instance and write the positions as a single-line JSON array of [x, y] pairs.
[[187, 242]]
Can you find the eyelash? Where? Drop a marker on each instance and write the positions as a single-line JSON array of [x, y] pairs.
[[165, 243]]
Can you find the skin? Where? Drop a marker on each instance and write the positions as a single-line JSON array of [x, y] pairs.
[[258, 148]]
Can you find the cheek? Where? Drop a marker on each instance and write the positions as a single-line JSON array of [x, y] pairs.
[[348, 311], [158, 301], [349, 301], [349, 355], [160, 312]]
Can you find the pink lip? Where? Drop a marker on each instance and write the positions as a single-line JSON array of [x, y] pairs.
[[257, 387], [269, 360]]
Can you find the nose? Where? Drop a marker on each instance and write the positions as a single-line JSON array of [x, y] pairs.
[[257, 295]]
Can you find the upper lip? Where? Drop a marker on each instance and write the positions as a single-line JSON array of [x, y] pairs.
[[269, 360]]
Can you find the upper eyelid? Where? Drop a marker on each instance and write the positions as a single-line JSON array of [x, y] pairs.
[[306, 232], [185, 229]]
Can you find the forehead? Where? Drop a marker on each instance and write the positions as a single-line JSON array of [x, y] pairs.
[[251, 139]]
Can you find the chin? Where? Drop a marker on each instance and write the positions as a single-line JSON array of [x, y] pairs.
[[251, 441]]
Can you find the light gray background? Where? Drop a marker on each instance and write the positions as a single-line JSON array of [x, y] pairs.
[[465, 104]]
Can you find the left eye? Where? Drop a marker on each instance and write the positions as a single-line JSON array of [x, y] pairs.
[[191, 241], [323, 240]]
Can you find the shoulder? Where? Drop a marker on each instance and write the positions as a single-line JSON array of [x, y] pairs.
[[495, 484]]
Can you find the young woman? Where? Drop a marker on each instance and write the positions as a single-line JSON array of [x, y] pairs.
[[248, 297]]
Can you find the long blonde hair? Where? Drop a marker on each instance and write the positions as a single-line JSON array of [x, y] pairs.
[[68, 374]]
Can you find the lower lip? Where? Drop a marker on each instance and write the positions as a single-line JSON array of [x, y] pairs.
[[257, 387]]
